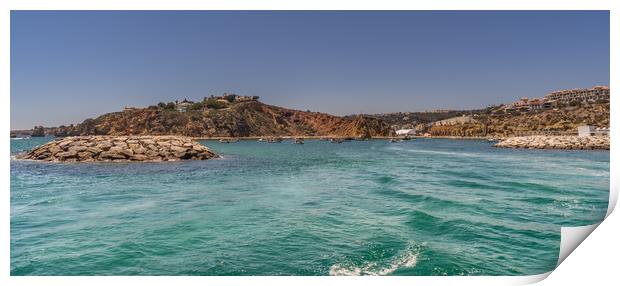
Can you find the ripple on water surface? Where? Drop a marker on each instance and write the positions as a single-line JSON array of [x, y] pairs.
[[423, 207]]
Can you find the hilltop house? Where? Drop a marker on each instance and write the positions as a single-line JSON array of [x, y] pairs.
[[231, 97], [184, 105]]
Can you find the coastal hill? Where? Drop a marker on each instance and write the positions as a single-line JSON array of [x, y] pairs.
[[224, 116], [500, 121], [497, 122], [231, 115], [557, 113]]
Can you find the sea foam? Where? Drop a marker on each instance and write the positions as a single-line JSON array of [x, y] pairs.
[[408, 259]]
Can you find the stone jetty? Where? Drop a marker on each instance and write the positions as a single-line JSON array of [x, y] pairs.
[[556, 142], [119, 149]]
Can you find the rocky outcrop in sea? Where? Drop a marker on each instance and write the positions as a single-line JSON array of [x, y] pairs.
[[119, 149], [556, 142]]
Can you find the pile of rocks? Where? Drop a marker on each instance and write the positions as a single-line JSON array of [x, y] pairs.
[[556, 142], [120, 149]]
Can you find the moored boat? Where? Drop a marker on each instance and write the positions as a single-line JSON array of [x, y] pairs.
[[274, 140]]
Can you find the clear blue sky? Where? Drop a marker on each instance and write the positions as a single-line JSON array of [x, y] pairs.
[[69, 66]]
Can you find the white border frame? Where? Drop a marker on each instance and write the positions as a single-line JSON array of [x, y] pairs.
[[572, 272]]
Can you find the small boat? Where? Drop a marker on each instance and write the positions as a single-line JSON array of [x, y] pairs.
[[298, 141], [261, 139], [336, 140], [235, 140], [407, 138], [274, 140], [394, 140], [323, 139]]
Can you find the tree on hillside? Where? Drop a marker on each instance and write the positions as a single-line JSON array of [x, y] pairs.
[[196, 106], [214, 104], [170, 106], [230, 97]]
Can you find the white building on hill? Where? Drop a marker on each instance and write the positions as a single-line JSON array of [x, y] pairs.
[[406, 132]]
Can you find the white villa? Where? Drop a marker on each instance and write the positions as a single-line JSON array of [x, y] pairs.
[[406, 132]]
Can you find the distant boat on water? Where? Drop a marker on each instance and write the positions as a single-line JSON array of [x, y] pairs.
[[14, 137], [298, 141], [274, 140]]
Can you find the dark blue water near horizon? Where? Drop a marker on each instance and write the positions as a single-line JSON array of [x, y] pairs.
[[422, 207]]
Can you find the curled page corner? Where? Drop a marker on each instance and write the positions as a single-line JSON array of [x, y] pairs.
[[571, 237], [531, 279]]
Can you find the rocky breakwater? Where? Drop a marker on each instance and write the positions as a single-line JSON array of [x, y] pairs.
[[556, 142], [119, 149]]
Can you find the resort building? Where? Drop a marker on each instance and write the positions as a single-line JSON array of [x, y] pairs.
[[579, 95], [552, 100], [526, 104]]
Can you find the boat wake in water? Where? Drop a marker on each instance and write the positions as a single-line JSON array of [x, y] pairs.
[[407, 259]]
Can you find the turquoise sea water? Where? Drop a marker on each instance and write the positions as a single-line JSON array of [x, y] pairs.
[[423, 207]]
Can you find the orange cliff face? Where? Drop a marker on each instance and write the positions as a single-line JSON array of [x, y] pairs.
[[242, 119]]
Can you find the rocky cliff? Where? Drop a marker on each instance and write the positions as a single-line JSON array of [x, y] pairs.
[[243, 119]]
